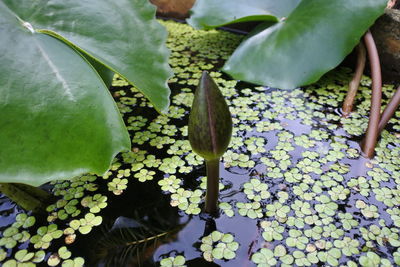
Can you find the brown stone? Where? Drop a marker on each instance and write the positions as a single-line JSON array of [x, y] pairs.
[[173, 8], [386, 32]]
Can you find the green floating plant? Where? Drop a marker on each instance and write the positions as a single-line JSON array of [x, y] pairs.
[[12, 235], [86, 224], [219, 246], [186, 200], [3, 254], [76, 262], [118, 185], [210, 130], [252, 210], [255, 190], [178, 261], [44, 236], [24, 221], [272, 230], [25, 258], [94, 203], [170, 183], [227, 209]]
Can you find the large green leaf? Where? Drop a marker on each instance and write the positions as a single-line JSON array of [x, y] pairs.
[[313, 39], [208, 14], [58, 118], [121, 34]]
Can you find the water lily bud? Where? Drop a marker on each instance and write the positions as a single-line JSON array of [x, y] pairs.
[[210, 122]]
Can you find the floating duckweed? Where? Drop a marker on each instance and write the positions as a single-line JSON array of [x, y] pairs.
[[12, 236], [170, 183], [278, 211], [255, 190], [64, 253], [136, 123], [396, 256], [53, 260], [252, 210], [301, 208], [296, 239], [272, 230], [370, 259], [187, 201], [151, 161], [327, 206], [95, 203], [227, 209], [219, 246], [304, 141], [390, 197], [265, 257], [86, 224], [117, 185], [347, 221], [348, 246], [169, 165], [369, 211], [76, 262], [339, 193], [234, 159], [360, 185], [178, 261], [44, 236], [25, 258], [3, 254], [24, 221], [144, 175]]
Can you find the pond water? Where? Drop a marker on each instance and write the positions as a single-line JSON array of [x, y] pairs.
[[295, 190]]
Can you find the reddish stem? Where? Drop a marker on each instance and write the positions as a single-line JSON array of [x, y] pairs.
[[371, 136], [355, 82], [212, 193], [390, 109]]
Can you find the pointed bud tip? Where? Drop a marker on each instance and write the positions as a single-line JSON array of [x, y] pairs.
[[206, 80]]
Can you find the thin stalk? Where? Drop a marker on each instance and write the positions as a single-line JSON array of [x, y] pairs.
[[371, 136], [27, 197], [355, 82], [212, 167], [390, 109]]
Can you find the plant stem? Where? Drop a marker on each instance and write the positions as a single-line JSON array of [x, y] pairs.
[[212, 193], [387, 114], [371, 136], [355, 82], [27, 197]]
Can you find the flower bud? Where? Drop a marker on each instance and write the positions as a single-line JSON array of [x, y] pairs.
[[210, 122]]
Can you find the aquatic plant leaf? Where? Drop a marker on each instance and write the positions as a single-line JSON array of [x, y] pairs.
[[208, 14], [210, 122], [122, 35], [58, 118], [313, 39]]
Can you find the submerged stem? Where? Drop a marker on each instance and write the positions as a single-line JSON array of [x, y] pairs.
[[27, 197], [371, 136], [212, 167], [389, 110], [355, 82]]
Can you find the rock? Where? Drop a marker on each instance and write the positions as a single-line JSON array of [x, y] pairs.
[[386, 32], [173, 8]]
